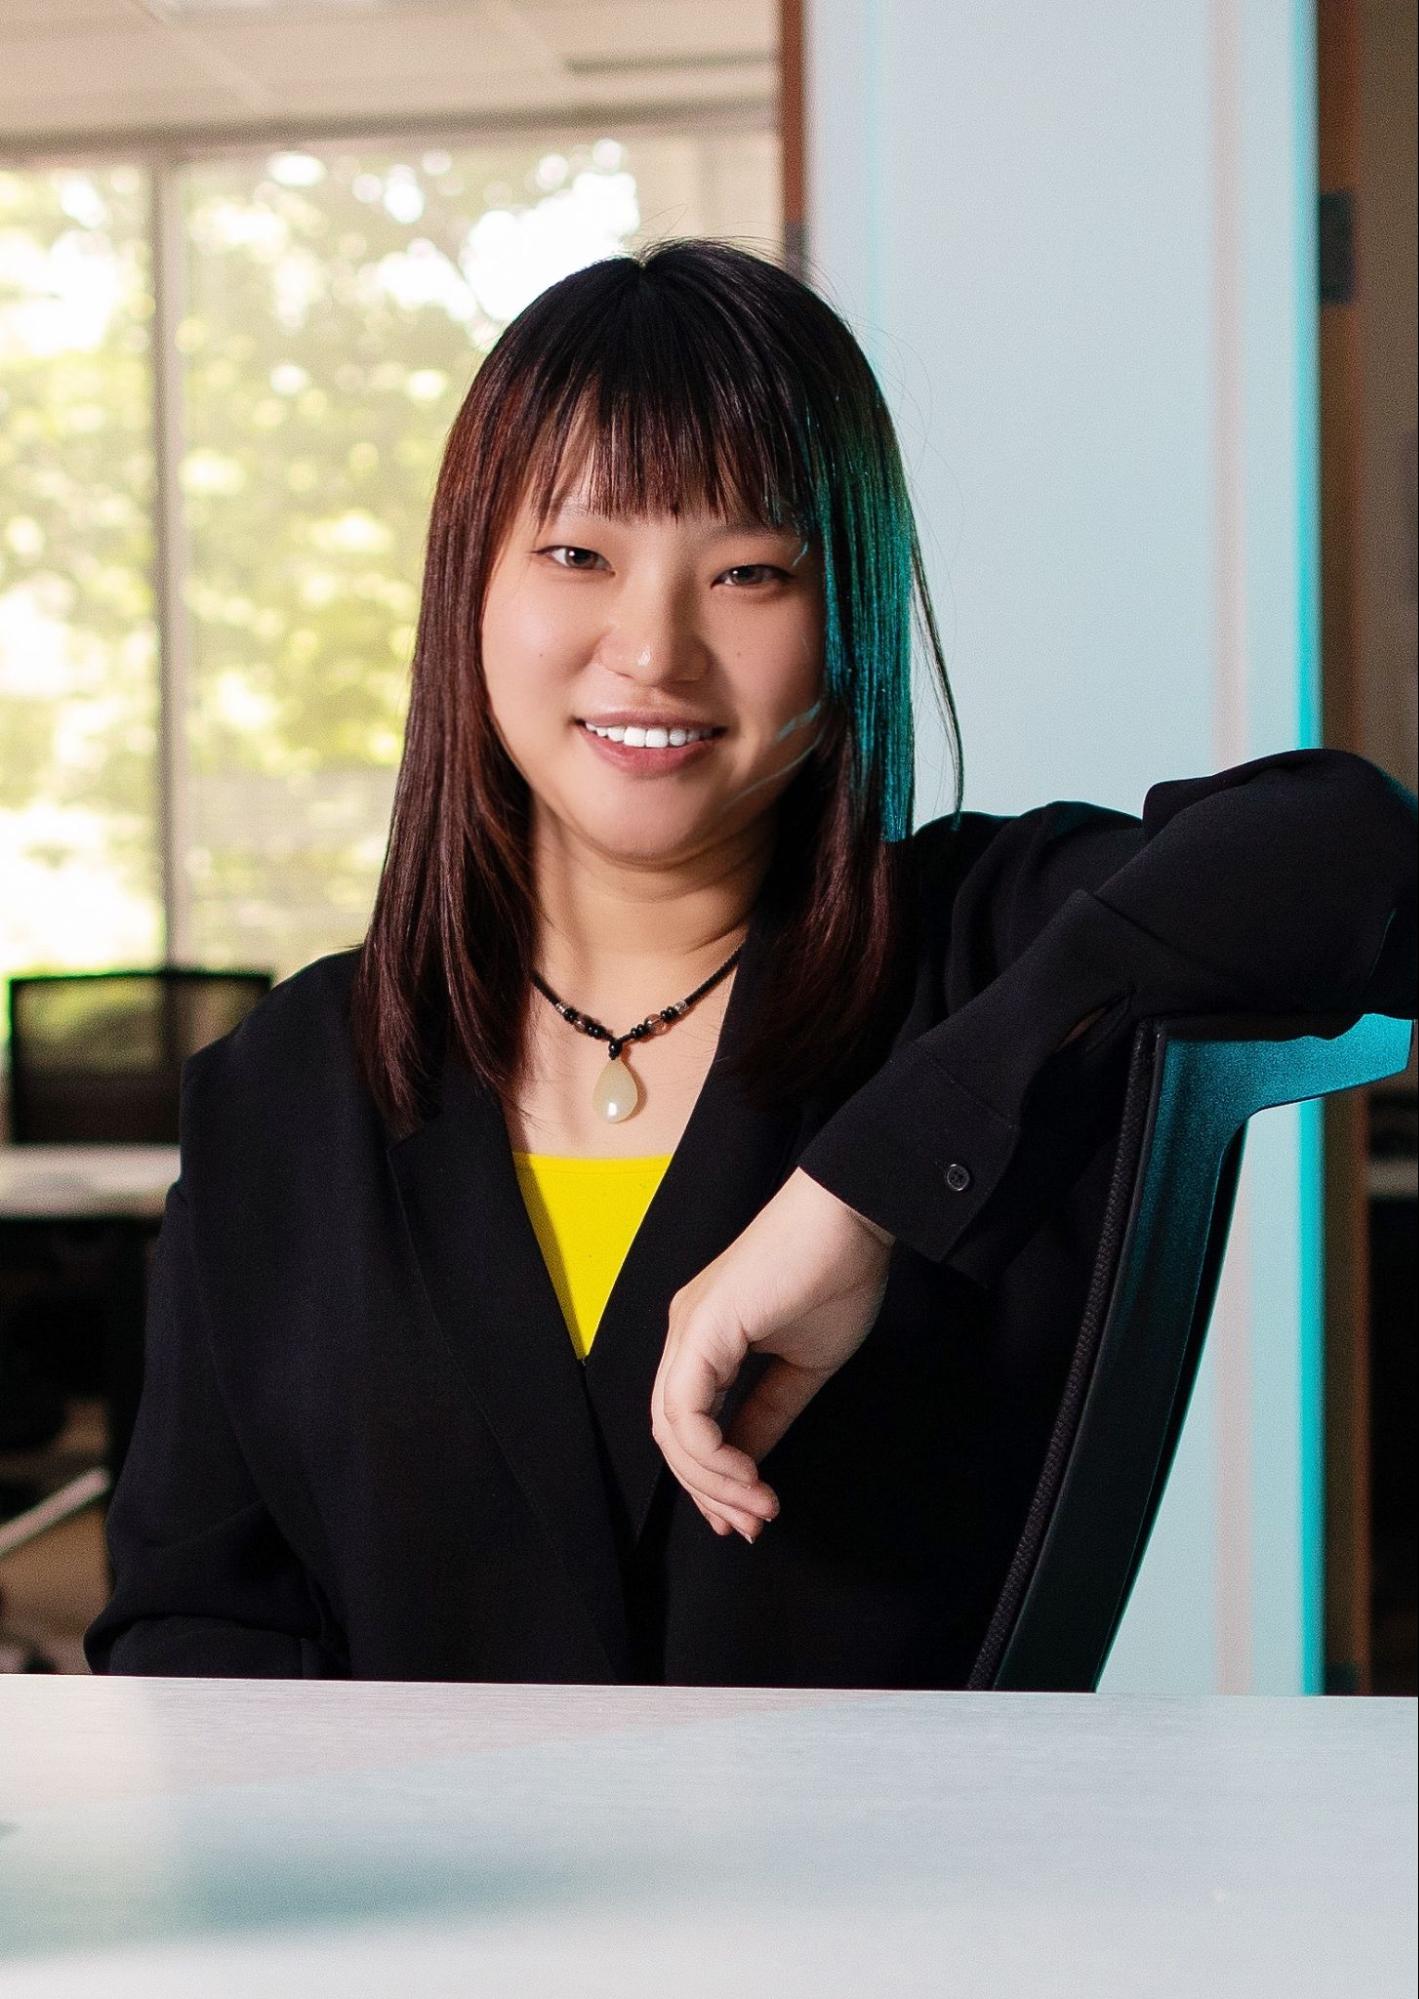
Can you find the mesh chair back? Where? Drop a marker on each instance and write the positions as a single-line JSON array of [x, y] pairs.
[[1192, 1085], [96, 1057]]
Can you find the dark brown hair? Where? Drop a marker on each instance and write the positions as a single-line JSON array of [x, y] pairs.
[[706, 375]]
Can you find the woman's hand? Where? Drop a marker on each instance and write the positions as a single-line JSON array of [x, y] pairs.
[[804, 1282]]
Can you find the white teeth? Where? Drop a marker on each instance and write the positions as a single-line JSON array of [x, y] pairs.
[[649, 738]]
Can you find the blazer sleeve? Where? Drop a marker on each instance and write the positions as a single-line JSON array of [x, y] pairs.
[[204, 1584], [1284, 885]]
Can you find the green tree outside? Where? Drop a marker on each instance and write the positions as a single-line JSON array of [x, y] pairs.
[[337, 306]]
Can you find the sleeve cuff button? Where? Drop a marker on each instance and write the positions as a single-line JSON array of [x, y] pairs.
[[958, 1177]]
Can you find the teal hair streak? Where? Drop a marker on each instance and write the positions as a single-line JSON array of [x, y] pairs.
[[861, 519]]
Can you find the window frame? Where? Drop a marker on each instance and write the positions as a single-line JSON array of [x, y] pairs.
[[164, 155]]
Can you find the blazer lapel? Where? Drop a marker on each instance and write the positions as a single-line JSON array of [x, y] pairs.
[[497, 1308], [729, 1161], [577, 1435]]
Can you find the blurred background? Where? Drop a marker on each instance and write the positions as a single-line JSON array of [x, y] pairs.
[[1140, 286]]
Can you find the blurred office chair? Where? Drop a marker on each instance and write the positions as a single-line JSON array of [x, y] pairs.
[[95, 1059], [1192, 1084]]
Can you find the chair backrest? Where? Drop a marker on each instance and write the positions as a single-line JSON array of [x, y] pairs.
[[96, 1057], [1192, 1084]]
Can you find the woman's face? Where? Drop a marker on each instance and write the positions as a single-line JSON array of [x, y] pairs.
[[689, 619]]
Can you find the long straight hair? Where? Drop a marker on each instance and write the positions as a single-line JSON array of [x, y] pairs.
[[703, 375]]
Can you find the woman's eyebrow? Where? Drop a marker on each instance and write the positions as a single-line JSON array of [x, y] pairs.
[[740, 524]]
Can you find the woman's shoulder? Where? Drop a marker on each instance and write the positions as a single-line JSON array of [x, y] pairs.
[[278, 1140], [293, 1048], [1006, 873]]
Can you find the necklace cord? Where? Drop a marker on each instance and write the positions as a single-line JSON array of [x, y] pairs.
[[652, 1023]]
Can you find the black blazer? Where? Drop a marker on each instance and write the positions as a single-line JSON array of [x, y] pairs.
[[366, 1447]]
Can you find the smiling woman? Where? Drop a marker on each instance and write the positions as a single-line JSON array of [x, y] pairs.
[[673, 499], [820, 1215]]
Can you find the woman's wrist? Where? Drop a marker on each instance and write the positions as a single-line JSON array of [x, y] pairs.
[[874, 1229]]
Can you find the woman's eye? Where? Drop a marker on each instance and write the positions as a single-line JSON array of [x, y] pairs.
[[755, 572], [567, 548]]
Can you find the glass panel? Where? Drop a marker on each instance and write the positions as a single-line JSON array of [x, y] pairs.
[[79, 838], [337, 307]]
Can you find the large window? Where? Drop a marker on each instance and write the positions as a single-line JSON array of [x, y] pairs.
[[79, 846], [203, 771]]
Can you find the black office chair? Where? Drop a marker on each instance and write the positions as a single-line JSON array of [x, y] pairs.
[[1192, 1085], [95, 1059]]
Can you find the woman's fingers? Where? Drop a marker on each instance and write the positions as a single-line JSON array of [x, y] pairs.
[[725, 1470], [733, 1522], [696, 1373], [693, 1442], [742, 1506], [725, 1495]]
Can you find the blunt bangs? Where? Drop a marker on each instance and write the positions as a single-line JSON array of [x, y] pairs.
[[668, 419]]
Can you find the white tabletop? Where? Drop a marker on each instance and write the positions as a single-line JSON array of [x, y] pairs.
[[247, 1837], [54, 1182]]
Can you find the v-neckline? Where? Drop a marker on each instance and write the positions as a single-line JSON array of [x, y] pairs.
[[732, 1036], [576, 1433]]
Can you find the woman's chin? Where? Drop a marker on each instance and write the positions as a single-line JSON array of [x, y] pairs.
[[645, 838], [641, 829]]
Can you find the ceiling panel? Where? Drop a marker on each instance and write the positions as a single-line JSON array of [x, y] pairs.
[[45, 16], [203, 13], [641, 28], [441, 46], [93, 66], [69, 68]]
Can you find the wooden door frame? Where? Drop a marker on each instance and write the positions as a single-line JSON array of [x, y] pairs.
[[1348, 1663], [791, 135]]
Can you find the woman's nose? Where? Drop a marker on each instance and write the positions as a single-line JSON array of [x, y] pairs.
[[653, 636]]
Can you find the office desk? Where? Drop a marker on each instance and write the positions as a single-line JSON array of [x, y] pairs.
[[244, 1837], [77, 1182]]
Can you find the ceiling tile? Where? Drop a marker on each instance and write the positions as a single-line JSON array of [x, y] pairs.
[[644, 24], [374, 52], [641, 28], [74, 66], [86, 65], [46, 16]]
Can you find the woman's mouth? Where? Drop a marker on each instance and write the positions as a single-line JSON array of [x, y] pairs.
[[653, 757]]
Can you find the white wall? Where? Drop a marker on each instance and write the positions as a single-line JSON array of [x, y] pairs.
[[1076, 240]]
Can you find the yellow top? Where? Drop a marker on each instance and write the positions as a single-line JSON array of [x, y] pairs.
[[585, 1213]]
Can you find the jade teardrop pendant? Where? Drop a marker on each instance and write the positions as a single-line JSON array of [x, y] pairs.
[[617, 1092]]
